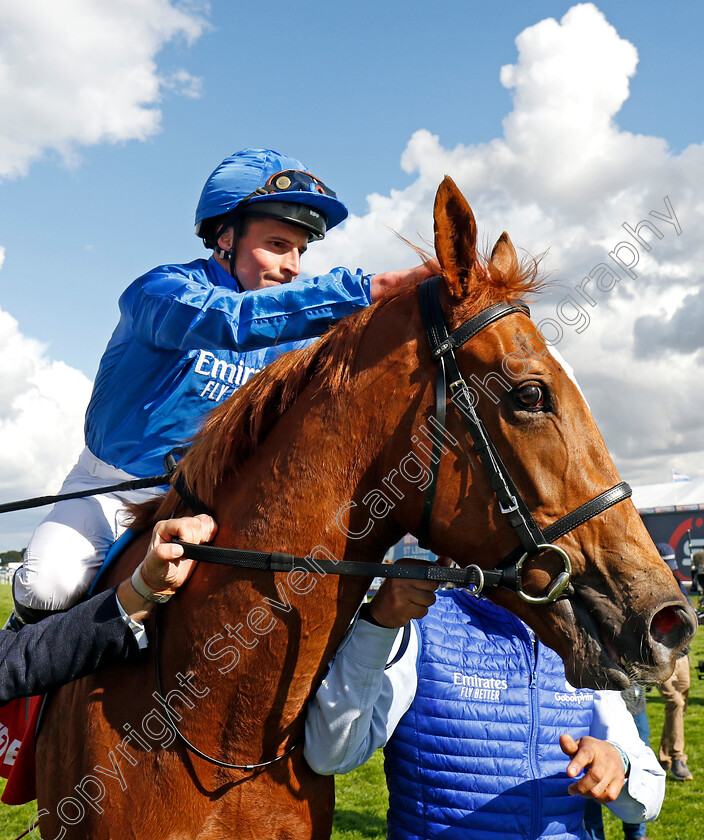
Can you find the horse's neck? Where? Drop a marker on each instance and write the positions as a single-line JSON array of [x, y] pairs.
[[292, 497], [303, 492], [315, 468]]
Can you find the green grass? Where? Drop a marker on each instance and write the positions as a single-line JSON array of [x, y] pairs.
[[362, 799], [361, 802]]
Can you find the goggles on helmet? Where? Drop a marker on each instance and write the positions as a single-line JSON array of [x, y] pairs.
[[293, 179]]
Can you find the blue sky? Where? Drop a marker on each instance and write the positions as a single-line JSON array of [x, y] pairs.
[[89, 205], [343, 91]]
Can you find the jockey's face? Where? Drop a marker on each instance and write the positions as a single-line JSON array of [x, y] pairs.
[[268, 252]]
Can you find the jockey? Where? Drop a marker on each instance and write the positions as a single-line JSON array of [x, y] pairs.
[[188, 337], [483, 735]]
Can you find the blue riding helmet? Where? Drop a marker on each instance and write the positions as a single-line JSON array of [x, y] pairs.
[[245, 182], [667, 552]]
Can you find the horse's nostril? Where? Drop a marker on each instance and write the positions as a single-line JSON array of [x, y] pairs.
[[672, 627], [665, 621]]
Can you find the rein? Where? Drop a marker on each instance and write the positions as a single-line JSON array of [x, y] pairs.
[[133, 484], [170, 464], [471, 577], [189, 746]]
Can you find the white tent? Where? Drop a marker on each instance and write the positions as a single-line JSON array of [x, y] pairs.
[[670, 497]]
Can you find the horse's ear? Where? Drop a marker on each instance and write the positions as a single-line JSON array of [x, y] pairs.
[[455, 237], [504, 256]]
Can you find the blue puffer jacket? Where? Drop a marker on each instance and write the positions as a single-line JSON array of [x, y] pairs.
[[477, 754], [186, 340]]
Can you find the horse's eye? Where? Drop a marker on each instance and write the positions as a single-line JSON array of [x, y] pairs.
[[530, 397]]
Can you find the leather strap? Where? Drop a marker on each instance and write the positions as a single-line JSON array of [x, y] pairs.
[[275, 561], [579, 516], [193, 502], [475, 325], [442, 346]]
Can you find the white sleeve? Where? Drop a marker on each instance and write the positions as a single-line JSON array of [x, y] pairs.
[[642, 795], [140, 634], [360, 701]]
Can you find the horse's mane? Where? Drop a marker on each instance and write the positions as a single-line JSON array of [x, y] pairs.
[[235, 429]]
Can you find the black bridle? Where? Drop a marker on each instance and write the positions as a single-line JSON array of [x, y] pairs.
[[533, 540]]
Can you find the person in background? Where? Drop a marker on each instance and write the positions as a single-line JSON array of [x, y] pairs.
[[698, 573], [188, 337], [675, 693], [484, 736], [105, 629]]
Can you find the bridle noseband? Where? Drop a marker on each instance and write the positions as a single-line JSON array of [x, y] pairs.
[[533, 539]]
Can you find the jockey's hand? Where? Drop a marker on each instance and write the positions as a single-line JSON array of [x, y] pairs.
[[398, 600], [164, 569], [387, 280], [603, 777]]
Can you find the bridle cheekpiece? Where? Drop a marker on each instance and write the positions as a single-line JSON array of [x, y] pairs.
[[534, 540]]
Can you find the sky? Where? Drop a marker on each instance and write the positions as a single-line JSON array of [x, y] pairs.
[[560, 122]]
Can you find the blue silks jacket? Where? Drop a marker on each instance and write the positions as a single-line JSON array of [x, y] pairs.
[[186, 340], [477, 755]]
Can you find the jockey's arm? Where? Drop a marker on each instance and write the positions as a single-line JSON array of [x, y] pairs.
[[185, 313]]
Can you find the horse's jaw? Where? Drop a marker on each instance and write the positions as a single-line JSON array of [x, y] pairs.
[[599, 653], [590, 661]]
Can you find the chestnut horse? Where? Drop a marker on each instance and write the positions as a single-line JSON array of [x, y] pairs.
[[327, 454]]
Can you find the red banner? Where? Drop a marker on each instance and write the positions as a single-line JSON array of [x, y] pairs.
[[18, 720]]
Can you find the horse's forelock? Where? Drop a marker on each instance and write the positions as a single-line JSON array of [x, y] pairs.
[[524, 281]]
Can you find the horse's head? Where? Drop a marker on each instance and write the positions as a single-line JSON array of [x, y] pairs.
[[343, 410], [622, 617]]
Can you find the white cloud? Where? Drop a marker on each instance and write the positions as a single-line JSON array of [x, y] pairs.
[[42, 403], [73, 73], [682, 332], [565, 177], [81, 72]]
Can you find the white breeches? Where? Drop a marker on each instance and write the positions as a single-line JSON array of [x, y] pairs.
[[68, 547]]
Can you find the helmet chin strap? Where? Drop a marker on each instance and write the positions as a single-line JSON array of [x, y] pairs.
[[235, 224]]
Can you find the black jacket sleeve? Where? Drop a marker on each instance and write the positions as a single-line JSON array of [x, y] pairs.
[[64, 647]]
